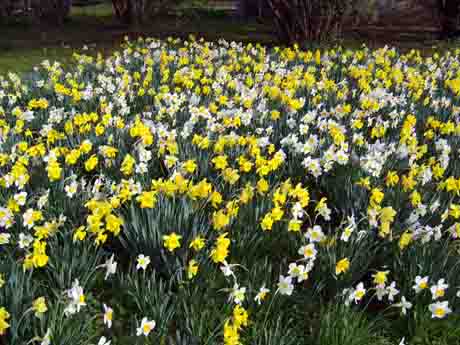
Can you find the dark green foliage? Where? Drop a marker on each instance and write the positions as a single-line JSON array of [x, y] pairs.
[[341, 325]]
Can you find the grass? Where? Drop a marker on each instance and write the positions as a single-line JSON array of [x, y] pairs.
[[20, 61], [189, 314], [23, 59], [103, 10], [23, 44]]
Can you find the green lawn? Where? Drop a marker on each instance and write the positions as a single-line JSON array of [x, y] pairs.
[[19, 61], [103, 10], [23, 45]]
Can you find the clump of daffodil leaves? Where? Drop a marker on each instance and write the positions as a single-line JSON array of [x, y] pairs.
[[193, 192]]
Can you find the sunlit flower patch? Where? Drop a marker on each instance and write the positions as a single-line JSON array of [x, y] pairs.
[[188, 192]]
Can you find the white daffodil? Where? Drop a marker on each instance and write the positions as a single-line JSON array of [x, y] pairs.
[[21, 198], [28, 218], [404, 305], [381, 291], [4, 238], [315, 234], [308, 251], [227, 269], [285, 286], [359, 292], [71, 189], [261, 295], [6, 217], [142, 262], [238, 294], [303, 272], [146, 327], [439, 309], [46, 340], [392, 291], [110, 266], [295, 270], [43, 200], [104, 341], [420, 283], [108, 316], [438, 290], [77, 299]]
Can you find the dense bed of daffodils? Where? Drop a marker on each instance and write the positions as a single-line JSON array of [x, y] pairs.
[[187, 192]]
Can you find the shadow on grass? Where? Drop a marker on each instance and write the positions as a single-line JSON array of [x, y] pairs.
[[24, 44]]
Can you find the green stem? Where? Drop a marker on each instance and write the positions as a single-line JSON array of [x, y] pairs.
[[214, 332], [268, 310]]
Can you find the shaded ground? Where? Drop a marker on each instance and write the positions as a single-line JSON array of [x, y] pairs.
[[23, 45]]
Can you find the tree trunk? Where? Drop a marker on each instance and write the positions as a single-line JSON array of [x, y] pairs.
[[304, 21], [123, 10], [51, 11], [5, 9], [129, 12], [449, 12]]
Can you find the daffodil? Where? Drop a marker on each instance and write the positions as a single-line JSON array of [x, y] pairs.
[[39, 306], [420, 284], [172, 241], [261, 295], [4, 316], [285, 286], [439, 309], [404, 305], [146, 327], [108, 316], [197, 243], [142, 262], [192, 269], [342, 266]]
